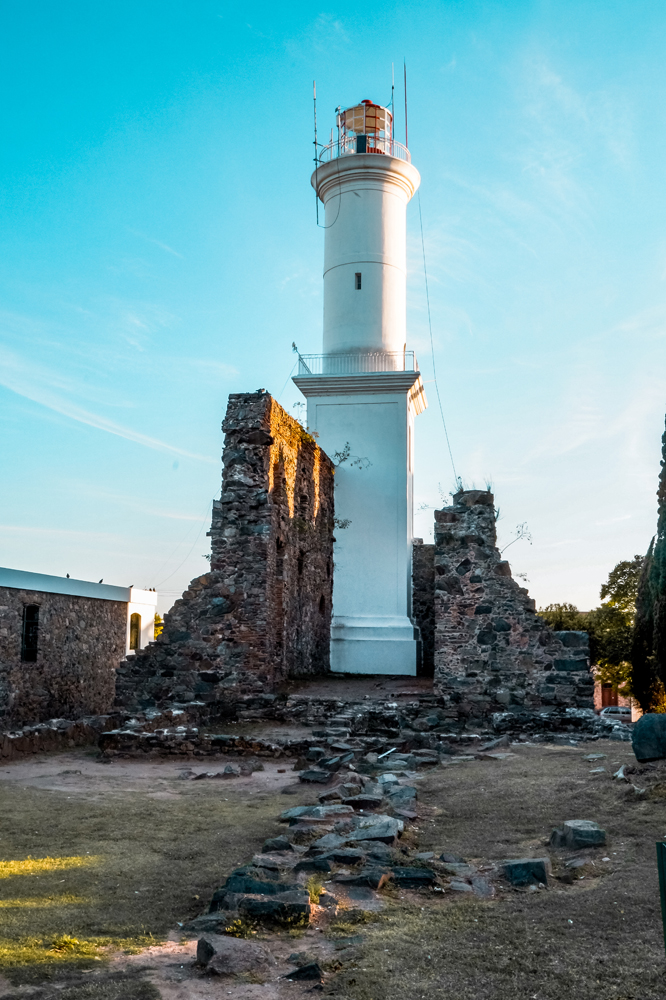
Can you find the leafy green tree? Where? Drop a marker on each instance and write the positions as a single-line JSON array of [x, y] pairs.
[[649, 645], [610, 626], [562, 617]]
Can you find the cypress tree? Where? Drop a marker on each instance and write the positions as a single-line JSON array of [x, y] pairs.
[[649, 646]]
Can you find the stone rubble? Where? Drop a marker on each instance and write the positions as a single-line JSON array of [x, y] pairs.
[[302, 875]]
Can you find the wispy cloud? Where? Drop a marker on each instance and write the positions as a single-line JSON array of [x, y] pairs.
[[325, 34], [157, 243], [85, 489], [39, 385]]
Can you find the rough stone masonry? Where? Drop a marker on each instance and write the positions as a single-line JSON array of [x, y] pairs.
[[492, 652], [263, 612], [81, 640]]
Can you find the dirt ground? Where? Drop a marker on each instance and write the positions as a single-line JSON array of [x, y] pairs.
[[100, 862]]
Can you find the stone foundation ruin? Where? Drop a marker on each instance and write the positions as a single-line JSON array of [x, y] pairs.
[[261, 617], [492, 652], [263, 612]]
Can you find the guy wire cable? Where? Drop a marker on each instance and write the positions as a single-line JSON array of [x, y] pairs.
[[432, 346]]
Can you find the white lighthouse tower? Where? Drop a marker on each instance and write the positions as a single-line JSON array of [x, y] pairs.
[[365, 390]]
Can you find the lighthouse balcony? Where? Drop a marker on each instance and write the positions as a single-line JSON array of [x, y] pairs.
[[357, 364], [349, 145]]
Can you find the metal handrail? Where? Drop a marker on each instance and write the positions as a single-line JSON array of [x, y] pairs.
[[357, 364], [348, 145]]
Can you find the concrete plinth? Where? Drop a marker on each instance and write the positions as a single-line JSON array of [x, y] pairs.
[[373, 646]]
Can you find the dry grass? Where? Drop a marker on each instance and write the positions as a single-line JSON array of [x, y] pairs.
[[85, 875], [152, 862], [599, 938]]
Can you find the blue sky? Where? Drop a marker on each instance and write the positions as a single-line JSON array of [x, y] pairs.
[[158, 250]]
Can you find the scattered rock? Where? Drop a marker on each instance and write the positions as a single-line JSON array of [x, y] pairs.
[[316, 812], [327, 843], [387, 831], [277, 844], [452, 859], [402, 795], [459, 886], [345, 856], [526, 871], [309, 971], [413, 878], [364, 801], [230, 956], [648, 739], [482, 887], [313, 865], [285, 909], [333, 795], [225, 898], [576, 834], [315, 776], [375, 878], [462, 870]]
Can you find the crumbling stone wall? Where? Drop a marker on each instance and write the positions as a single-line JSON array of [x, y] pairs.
[[423, 603], [81, 640], [263, 612], [492, 652]]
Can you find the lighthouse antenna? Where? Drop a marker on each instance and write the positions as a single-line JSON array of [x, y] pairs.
[[392, 95], [316, 155], [406, 137]]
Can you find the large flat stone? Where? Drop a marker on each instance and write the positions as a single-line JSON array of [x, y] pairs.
[[230, 956]]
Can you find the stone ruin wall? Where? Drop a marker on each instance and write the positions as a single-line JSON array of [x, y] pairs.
[[81, 640], [263, 612], [492, 652], [423, 603]]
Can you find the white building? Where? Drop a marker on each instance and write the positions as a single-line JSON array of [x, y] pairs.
[[141, 604], [365, 390]]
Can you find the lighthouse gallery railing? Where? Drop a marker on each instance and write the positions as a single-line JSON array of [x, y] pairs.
[[350, 144], [357, 364]]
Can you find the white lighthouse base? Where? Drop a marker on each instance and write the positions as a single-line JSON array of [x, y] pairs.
[[366, 419], [373, 645]]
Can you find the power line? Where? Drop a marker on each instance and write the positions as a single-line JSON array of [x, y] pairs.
[[432, 349], [191, 550]]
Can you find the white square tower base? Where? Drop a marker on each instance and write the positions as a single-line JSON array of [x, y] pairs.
[[372, 632]]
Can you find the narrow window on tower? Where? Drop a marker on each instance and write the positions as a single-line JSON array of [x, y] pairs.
[[30, 633], [357, 281]]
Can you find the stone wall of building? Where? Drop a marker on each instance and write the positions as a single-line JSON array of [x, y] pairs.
[[80, 642], [423, 603], [263, 612], [492, 652]]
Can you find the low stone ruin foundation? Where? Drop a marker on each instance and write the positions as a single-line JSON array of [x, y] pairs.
[[263, 612], [492, 652]]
